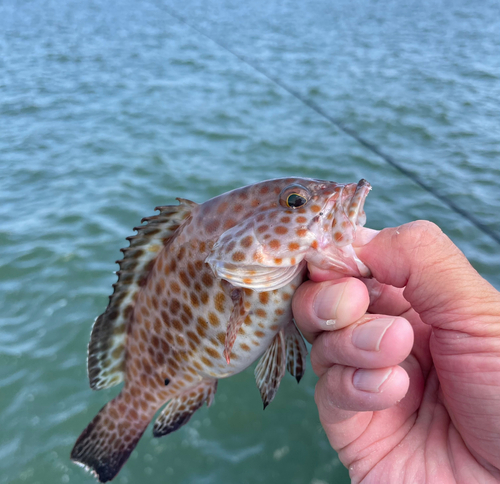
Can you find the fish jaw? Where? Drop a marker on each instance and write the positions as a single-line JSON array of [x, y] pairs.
[[335, 228]]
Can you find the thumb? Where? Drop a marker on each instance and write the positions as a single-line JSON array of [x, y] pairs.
[[439, 281]]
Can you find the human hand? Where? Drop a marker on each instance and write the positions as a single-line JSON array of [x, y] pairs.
[[408, 362]]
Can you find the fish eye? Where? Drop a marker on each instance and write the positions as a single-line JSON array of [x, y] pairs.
[[294, 196], [294, 200]]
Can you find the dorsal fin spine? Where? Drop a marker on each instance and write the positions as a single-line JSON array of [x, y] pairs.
[[106, 351]]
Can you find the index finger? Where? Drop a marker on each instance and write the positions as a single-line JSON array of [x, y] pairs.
[[439, 282]]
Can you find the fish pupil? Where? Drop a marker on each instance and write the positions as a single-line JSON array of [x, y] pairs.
[[295, 200], [167, 381]]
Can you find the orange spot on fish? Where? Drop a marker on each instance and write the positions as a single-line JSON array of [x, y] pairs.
[[229, 223], [185, 279], [238, 257], [246, 241], [213, 353], [194, 299], [213, 319], [274, 244], [207, 279], [219, 301], [222, 207]]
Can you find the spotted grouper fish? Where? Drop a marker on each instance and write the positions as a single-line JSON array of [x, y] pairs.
[[203, 291]]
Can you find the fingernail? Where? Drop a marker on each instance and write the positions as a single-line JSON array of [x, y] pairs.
[[368, 336], [370, 380], [327, 301]]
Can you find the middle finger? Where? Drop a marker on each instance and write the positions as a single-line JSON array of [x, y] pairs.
[[374, 341]]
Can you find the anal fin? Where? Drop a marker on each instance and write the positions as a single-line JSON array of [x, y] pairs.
[[296, 351], [180, 409], [271, 369]]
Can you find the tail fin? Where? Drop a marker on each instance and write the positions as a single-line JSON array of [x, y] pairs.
[[107, 442]]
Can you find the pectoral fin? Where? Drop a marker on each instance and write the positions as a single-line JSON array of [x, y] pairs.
[[271, 369], [236, 319]]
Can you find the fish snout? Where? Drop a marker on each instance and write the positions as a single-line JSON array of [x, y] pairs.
[[348, 212]]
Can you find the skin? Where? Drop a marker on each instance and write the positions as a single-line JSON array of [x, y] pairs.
[[408, 361]]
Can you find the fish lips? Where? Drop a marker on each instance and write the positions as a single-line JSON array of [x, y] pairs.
[[342, 214], [335, 230]]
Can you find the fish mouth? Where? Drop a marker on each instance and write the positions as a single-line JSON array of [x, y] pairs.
[[346, 212], [353, 202], [342, 214]]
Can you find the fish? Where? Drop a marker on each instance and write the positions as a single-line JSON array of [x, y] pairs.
[[203, 291]]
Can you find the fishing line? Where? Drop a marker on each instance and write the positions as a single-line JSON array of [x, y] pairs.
[[341, 126]]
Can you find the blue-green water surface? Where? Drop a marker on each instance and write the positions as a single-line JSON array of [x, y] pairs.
[[108, 109]]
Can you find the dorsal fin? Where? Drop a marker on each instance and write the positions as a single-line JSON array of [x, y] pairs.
[[106, 352]]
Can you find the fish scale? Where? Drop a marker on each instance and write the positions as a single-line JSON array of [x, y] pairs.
[[203, 291]]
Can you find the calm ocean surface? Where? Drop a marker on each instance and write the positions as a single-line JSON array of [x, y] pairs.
[[108, 109]]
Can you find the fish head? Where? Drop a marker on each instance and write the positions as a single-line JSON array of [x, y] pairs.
[[292, 221]]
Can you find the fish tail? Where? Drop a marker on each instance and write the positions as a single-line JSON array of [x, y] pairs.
[[107, 442]]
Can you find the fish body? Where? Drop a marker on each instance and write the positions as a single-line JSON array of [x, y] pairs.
[[203, 292]]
